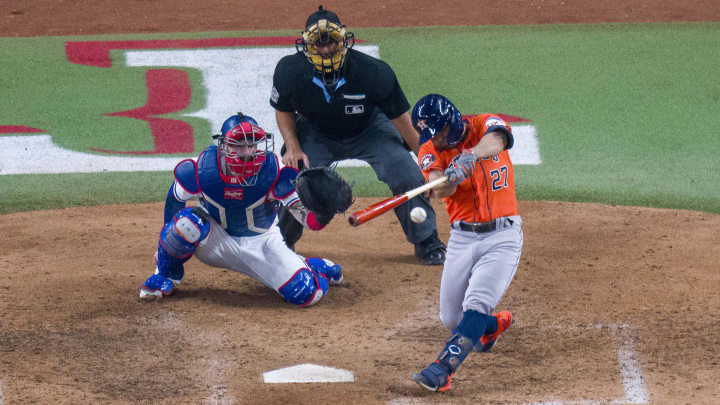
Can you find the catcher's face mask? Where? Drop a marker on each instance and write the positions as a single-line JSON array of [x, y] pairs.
[[243, 150], [325, 43]]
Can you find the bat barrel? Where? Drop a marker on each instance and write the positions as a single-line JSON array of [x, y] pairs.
[[354, 221], [375, 210]]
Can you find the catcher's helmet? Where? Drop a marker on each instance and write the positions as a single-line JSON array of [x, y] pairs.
[[325, 43], [243, 148], [235, 120], [430, 115]]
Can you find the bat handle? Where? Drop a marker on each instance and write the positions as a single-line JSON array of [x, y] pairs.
[[417, 191]]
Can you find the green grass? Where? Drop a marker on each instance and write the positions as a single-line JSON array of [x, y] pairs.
[[33, 192], [626, 114]]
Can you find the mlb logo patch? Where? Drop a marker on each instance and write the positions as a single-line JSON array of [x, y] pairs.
[[234, 194], [354, 109], [493, 121]]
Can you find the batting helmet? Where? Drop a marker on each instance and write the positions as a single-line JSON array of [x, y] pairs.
[[432, 113], [243, 147], [325, 43]]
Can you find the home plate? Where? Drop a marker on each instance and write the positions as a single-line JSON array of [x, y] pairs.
[[308, 373]]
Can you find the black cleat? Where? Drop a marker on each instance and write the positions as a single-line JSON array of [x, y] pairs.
[[431, 251]]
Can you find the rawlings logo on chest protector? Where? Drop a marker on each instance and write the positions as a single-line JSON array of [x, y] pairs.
[[234, 194]]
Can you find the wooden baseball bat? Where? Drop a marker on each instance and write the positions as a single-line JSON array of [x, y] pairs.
[[375, 210]]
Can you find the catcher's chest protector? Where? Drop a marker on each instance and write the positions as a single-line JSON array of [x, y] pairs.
[[242, 211]]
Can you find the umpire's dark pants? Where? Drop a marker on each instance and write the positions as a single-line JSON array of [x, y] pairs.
[[382, 147]]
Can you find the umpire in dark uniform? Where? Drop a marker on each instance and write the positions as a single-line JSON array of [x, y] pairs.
[[334, 103]]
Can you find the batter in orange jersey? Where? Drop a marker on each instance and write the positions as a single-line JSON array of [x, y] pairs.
[[486, 236], [489, 193]]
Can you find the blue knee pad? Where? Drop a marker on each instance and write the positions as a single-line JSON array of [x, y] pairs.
[[305, 288], [178, 240]]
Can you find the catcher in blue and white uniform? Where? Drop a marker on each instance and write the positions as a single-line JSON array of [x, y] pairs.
[[240, 186]]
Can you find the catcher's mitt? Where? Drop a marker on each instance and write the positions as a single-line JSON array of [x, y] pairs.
[[324, 192]]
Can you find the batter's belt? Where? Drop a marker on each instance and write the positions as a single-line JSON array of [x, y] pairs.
[[483, 227]]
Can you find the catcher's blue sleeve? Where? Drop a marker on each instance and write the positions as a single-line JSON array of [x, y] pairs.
[[172, 204], [185, 186]]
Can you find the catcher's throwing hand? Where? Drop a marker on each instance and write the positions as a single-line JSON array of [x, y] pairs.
[[464, 166], [322, 191]]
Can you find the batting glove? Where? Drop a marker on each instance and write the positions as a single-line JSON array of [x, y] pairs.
[[465, 164], [454, 175]]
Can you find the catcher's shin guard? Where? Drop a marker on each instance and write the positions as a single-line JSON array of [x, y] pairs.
[[290, 229], [178, 240], [437, 376], [305, 288]]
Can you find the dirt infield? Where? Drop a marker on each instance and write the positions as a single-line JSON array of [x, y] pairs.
[[84, 17], [613, 303]]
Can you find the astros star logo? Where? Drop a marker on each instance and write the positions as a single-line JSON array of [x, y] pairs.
[[426, 161], [422, 124]]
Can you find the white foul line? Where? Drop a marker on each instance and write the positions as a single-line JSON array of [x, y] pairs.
[[633, 380]]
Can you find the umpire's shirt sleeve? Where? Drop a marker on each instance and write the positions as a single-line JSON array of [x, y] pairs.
[[280, 94], [389, 95]]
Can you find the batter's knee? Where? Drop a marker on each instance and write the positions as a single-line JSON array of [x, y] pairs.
[[305, 288], [450, 321]]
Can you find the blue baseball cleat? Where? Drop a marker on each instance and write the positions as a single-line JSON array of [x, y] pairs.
[[157, 286], [332, 271], [435, 377]]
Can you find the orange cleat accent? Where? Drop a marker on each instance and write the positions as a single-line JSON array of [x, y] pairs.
[[504, 320], [447, 386]]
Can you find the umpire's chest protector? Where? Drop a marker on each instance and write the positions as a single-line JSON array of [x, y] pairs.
[[241, 210]]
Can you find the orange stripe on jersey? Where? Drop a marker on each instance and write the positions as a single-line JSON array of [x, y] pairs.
[[490, 193]]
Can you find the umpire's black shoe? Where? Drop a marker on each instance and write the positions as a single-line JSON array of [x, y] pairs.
[[431, 251]]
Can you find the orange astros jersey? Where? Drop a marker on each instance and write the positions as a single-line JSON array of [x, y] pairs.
[[490, 192]]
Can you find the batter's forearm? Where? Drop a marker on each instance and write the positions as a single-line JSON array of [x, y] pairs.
[[443, 190], [490, 145]]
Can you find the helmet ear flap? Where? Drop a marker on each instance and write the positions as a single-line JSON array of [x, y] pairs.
[[457, 128]]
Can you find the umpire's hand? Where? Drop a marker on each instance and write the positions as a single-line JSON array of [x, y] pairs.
[[295, 157]]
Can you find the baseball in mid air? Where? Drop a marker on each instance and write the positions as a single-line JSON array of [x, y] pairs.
[[418, 214]]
